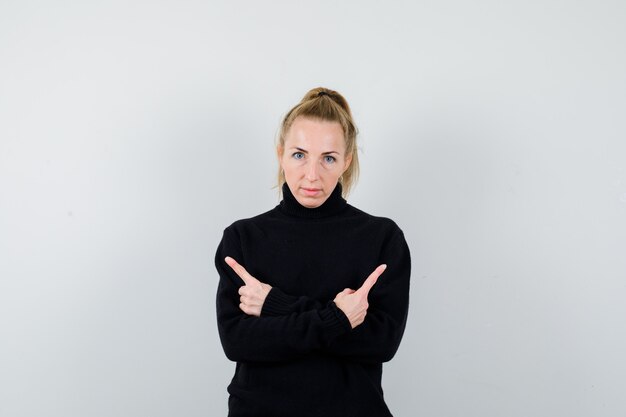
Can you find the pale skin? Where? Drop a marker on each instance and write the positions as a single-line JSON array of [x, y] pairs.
[[313, 159]]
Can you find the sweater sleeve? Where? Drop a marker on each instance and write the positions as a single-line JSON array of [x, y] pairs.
[[278, 303], [267, 338], [377, 339]]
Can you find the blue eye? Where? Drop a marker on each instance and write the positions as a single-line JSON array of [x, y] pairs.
[[329, 159], [298, 155]]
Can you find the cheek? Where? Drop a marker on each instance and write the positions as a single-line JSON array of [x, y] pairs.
[[286, 163], [290, 166], [335, 168]]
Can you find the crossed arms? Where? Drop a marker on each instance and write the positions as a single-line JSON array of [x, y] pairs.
[[261, 323]]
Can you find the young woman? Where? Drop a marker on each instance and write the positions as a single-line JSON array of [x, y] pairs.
[[303, 305]]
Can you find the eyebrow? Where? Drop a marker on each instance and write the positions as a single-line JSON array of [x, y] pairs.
[[305, 151]]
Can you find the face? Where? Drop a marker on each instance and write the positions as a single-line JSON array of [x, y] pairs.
[[313, 159]]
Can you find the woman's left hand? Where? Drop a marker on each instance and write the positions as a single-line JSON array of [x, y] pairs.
[[251, 295]]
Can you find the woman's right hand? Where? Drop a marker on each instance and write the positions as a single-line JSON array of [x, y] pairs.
[[354, 303], [253, 293]]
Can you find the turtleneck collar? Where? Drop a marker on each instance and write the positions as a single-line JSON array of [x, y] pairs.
[[333, 205]]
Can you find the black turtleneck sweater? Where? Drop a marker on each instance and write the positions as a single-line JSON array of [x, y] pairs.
[[301, 357]]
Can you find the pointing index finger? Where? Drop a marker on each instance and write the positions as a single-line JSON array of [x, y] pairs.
[[371, 280], [239, 270]]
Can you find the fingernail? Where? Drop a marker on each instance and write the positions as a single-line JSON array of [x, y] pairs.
[[384, 266]]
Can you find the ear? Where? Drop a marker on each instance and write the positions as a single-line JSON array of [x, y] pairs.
[[348, 161], [279, 154]]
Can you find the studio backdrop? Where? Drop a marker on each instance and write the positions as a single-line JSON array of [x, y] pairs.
[[133, 132]]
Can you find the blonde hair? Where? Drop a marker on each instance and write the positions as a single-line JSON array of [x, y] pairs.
[[327, 105]]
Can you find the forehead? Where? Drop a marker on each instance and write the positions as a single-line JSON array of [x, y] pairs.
[[315, 135]]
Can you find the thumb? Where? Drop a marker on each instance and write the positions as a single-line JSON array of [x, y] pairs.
[[240, 271], [371, 280]]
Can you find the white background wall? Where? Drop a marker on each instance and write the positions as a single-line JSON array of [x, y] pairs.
[[133, 132]]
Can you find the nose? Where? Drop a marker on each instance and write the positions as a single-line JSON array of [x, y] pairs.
[[312, 171]]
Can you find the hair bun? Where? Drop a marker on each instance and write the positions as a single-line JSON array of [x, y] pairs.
[[318, 92]]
